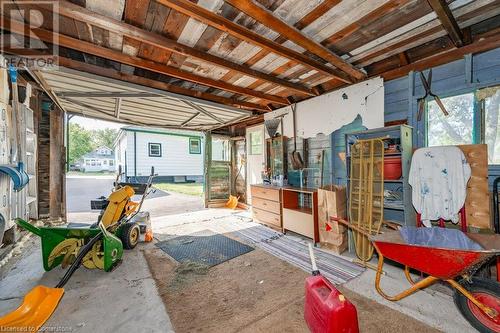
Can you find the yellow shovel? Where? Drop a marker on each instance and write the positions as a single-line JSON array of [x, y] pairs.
[[38, 305]]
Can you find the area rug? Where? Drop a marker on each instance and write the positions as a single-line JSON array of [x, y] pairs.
[[203, 247], [336, 268]]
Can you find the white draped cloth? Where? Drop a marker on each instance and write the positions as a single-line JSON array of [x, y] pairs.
[[438, 177]]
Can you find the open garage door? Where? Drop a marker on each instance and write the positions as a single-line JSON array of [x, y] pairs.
[[104, 98]]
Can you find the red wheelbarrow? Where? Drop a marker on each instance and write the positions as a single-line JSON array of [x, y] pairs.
[[477, 299]]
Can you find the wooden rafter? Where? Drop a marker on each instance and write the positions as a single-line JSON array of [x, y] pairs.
[[447, 20], [267, 18], [386, 8], [114, 74], [313, 15], [206, 16], [481, 44], [316, 13], [90, 48], [78, 13]]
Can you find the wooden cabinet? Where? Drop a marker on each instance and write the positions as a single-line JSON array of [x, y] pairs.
[[266, 205], [300, 211]]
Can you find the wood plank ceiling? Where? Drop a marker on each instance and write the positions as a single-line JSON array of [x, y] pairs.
[[260, 55]]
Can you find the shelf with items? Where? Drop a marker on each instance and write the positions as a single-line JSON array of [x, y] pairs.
[[276, 149], [397, 192]]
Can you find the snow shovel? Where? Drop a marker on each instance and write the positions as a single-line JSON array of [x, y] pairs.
[[39, 304], [297, 161]]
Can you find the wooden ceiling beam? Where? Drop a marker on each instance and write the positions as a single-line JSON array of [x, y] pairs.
[[447, 20], [316, 13], [78, 13], [201, 14], [140, 80], [481, 44], [90, 48], [386, 8], [267, 18]]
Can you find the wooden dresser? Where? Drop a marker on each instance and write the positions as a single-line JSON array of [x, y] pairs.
[[266, 205]]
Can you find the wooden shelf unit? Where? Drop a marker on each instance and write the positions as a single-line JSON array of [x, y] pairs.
[[298, 218], [401, 212]]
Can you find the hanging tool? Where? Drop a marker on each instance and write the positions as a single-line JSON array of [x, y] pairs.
[[297, 161], [426, 83]]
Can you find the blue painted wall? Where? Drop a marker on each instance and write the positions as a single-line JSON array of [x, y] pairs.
[[458, 77]]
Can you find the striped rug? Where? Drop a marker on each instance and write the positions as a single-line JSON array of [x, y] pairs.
[[295, 251]]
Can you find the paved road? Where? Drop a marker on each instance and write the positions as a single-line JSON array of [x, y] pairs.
[[81, 189]]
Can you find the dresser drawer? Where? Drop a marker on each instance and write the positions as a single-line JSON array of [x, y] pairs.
[[267, 217], [266, 193], [267, 205]]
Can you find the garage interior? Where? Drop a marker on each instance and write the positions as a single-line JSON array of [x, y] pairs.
[[358, 136]]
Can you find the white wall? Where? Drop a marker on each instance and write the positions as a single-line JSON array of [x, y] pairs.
[[255, 163], [120, 151], [328, 112], [175, 160]]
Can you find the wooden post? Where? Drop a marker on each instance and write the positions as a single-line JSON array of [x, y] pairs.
[[57, 162], [44, 159]]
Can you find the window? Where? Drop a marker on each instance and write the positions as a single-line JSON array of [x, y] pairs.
[[455, 129], [155, 149], [105, 162], [473, 118], [194, 146], [220, 149], [92, 162], [111, 162], [490, 122], [256, 143]]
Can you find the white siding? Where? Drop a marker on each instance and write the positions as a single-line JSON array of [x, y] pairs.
[[175, 160], [121, 148]]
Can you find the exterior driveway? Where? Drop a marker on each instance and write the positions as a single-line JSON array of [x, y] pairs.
[[81, 189]]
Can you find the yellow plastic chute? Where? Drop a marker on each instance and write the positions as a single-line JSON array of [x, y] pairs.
[[38, 305]]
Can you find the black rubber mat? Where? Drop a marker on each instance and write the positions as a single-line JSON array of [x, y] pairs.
[[203, 247]]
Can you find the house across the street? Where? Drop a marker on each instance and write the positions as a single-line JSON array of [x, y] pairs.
[[100, 160], [176, 155]]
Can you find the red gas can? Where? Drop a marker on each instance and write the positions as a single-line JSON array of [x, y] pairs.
[[326, 309]]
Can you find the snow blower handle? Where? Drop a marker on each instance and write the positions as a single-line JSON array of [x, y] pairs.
[[315, 270]]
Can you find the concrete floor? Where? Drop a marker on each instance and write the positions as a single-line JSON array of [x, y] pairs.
[[431, 305], [127, 299]]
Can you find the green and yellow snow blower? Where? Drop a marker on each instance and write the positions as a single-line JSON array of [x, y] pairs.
[[98, 246]]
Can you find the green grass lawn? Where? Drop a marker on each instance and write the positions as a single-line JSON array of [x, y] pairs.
[[184, 188]]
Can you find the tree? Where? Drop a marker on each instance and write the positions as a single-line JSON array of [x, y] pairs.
[[80, 142], [104, 137]]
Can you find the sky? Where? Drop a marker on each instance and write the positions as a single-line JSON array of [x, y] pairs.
[[90, 124]]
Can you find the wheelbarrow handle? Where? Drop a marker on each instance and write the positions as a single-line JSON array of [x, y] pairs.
[[28, 226]]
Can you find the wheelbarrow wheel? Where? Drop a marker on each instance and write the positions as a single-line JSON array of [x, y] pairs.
[[488, 293], [130, 235]]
